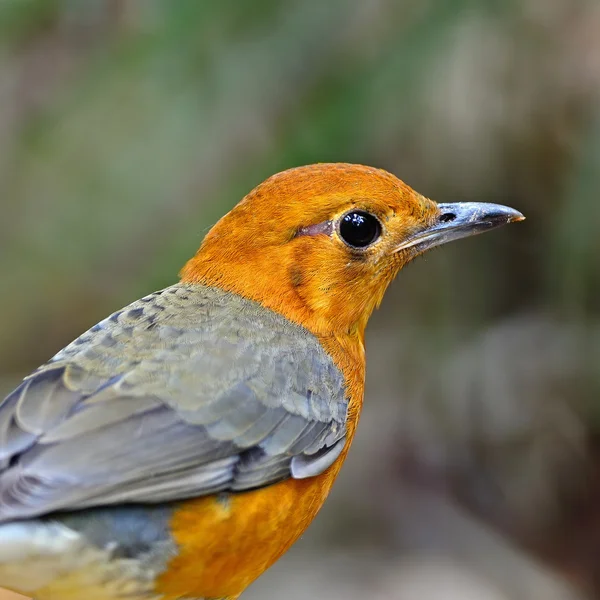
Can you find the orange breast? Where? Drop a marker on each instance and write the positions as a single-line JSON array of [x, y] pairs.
[[227, 541]]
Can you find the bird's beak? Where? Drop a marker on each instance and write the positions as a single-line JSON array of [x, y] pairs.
[[459, 220]]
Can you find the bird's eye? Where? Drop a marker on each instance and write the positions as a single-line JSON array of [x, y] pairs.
[[359, 229]]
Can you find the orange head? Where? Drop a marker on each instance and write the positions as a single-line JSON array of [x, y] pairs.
[[321, 243]]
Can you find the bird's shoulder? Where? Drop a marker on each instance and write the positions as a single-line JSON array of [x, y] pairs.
[[192, 318], [202, 338]]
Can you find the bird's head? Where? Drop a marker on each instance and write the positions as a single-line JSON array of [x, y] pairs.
[[320, 244]]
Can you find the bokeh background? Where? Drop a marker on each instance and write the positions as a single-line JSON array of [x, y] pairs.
[[127, 127]]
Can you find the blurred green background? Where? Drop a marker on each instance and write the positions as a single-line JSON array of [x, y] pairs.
[[128, 127]]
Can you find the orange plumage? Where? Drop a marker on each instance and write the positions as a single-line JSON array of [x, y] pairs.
[[313, 247], [261, 525]]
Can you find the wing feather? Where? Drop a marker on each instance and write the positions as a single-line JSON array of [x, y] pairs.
[[186, 392]]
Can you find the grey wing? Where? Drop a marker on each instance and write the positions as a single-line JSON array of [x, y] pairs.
[[186, 392]]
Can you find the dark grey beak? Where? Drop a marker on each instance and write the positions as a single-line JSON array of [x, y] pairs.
[[459, 220]]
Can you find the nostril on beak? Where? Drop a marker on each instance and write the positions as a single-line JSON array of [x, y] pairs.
[[447, 217]]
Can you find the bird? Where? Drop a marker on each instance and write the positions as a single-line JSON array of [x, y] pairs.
[[180, 446]]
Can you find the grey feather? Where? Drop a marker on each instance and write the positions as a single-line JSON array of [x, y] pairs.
[[186, 392], [303, 466], [54, 401], [95, 416], [13, 439]]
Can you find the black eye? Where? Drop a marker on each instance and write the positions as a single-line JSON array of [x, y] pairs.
[[359, 229]]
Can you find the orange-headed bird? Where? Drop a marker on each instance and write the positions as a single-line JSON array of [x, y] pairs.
[[180, 446]]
